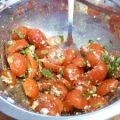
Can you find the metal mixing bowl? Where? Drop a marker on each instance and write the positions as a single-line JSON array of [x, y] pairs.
[[51, 17]]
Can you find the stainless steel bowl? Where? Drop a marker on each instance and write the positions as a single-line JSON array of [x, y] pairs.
[[51, 17]]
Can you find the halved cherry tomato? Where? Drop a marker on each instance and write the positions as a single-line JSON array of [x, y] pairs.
[[32, 66], [42, 51], [94, 57], [51, 66], [52, 105], [59, 90], [31, 88], [36, 37], [107, 86], [8, 77], [56, 56], [97, 74], [18, 64], [96, 102], [75, 99], [96, 46], [55, 40], [70, 54], [18, 45], [20, 33], [93, 12], [79, 62], [71, 72]]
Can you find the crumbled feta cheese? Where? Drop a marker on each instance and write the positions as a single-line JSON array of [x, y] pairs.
[[10, 59], [10, 100], [32, 49], [44, 111], [6, 79], [35, 104], [55, 91]]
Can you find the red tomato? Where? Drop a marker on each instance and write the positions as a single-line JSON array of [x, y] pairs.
[[36, 37], [107, 86], [79, 62], [42, 51], [93, 12], [96, 46], [75, 99], [51, 66], [97, 74], [96, 102], [8, 77], [70, 54], [52, 105], [20, 33], [71, 72], [18, 64], [31, 88], [94, 57], [56, 56], [32, 66], [18, 45], [59, 90]]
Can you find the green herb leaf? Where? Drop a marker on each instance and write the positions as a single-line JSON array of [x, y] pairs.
[[62, 37], [90, 41], [46, 73], [19, 34]]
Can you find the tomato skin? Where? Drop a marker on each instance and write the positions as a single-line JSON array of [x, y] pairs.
[[54, 67], [71, 72], [19, 44], [70, 54], [59, 90], [18, 64], [36, 37], [107, 86], [93, 12], [31, 88], [96, 102], [23, 30], [75, 99], [97, 74], [33, 64], [79, 62], [53, 104], [94, 57], [9, 74]]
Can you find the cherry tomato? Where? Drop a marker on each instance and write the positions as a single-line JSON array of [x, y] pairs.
[[59, 90], [36, 37], [96, 46], [18, 45], [18, 64], [96, 102], [94, 57], [97, 74], [32, 66], [70, 54], [79, 62], [107, 86], [71, 72], [31, 88], [20, 33], [67, 108], [75, 99], [55, 40], [56, 56], [51, 66], [8, 77], [93, 12], [42, 51], [52, 104]]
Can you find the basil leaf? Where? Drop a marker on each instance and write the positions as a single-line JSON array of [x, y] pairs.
[[19, 34], [46, 73]]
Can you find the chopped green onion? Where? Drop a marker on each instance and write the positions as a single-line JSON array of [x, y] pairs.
[[19, 34], [46, 73]]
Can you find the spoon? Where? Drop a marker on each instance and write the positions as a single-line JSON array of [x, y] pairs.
[[69, 42]]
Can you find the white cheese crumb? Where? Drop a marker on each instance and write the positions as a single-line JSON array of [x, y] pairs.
[[55, 91], [35, 104], [44, 111], [10, 100]]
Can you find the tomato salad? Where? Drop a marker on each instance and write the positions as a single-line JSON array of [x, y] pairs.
[[59, 81]]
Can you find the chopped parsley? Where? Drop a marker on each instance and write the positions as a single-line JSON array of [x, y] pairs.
[[19, 34], [61, 37], [47, 73]]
